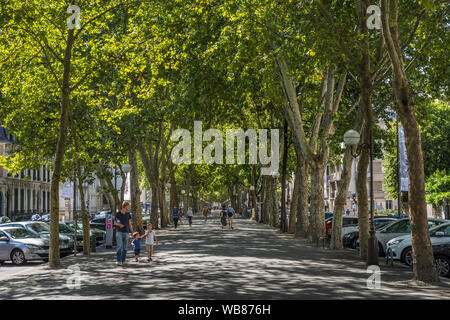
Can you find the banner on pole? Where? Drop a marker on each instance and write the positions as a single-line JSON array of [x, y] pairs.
[[403, 160]]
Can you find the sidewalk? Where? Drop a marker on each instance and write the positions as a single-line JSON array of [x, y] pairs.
[[252, 261]]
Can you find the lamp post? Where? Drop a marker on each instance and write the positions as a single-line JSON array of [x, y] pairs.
[[351, 139], [182, 197]]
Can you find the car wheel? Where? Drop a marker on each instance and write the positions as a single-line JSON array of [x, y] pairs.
[[1, 262], [442, 266], [407, 257], [17, 257]]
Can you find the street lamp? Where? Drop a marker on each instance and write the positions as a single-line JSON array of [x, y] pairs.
[[351, 139]]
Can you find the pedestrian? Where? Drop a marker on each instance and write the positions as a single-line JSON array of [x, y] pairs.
[[223, 216], [231, 213], [136, 243], [190, 215], [205, 212], [347, 213], [124, 228], [175, 215], [150, 240]]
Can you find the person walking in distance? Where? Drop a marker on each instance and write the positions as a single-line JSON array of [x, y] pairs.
[[175, 215], [124, 228], [205, 212], [230, 213], [223, 216], [190, 215]]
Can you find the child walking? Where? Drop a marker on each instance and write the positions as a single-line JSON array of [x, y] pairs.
[[136, 243], [150, 240]]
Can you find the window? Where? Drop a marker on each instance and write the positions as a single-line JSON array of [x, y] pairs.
[[389, 205], [44, 176], [34, 174], [39, 174], [40, 227], [399, 227], [350, 222], [2, 234], [445, 230]]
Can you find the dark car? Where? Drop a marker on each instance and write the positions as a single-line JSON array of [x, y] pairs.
[[442, 259], [97, 233], [98, 223], [350, 239], [68, 231]]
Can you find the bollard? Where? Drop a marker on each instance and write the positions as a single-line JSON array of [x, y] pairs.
[[93, 244]]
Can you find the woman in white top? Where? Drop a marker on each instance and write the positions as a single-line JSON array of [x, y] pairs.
[[190, 215]]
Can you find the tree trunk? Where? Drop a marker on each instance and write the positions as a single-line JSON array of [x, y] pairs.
[[174, 201], [294, 202], [302, 225], [162, 205], [54, 260], [317, 216], [255, 215], [363, 198], [424, 267], [155, 205], [84, 214], [343, 184], [283, 178], [135, 193]]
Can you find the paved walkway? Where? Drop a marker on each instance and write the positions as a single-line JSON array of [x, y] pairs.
[[252, 261]]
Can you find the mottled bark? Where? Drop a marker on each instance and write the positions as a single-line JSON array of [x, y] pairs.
[[294, 202], [424, 267], [317, 216], [135, 193], [363, 199], [54, 260]]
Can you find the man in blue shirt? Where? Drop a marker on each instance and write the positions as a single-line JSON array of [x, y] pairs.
[[175, 216], [124, 228]]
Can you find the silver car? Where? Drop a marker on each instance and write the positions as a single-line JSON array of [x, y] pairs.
[[42, 230], [397, 229], [20, 245]]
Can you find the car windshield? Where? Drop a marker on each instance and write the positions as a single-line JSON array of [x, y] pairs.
[[64, 228], [20, 233], [40, 227]]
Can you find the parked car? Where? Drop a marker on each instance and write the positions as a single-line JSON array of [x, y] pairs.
[[377, 222], [399, 228], [400, 248], [442, 259], [97, 233], [20, 245], [328, 215], [395, 215], [45, 218], [350, 239], [42, 230], [98, 223], [4, 220], [346, 222], [69, 232]]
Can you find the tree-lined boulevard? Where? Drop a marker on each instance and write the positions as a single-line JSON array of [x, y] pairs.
[[149, 91]]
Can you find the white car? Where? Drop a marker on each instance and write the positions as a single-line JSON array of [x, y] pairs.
[[400, 248], [397, 229]]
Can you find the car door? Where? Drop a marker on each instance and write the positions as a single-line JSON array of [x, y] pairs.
[[398, 229], [441, 240]]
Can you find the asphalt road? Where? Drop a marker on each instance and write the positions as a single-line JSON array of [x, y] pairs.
[[253, 261]]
